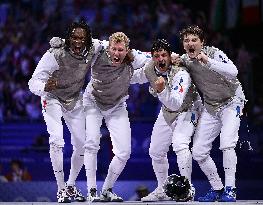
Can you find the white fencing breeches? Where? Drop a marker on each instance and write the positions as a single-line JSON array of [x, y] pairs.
[[75, 120], [227, 121], [118, 125], [179, 134]]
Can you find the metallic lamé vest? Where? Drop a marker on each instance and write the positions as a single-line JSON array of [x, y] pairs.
[[110, 83], [70, 76], [217, 90], [170, 115]]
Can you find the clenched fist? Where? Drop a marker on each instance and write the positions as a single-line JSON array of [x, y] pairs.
[[202, 57], [160, 84], [51, 84]]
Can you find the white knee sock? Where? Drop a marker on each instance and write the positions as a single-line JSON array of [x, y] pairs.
[[90, 161], [184, 162], [77, 160], [56, 156], [229, 163], [209, 168], [115, 169], [160, 168]]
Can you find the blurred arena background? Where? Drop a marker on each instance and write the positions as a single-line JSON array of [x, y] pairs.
[[26, 26]]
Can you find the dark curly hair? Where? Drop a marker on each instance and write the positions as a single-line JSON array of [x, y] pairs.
[[194, 30], [82, 24], [160, 44]]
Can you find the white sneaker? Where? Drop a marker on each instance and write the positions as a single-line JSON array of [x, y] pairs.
[[156, 195], [109, 196], [62, 196], [92, 196], [75, 193]]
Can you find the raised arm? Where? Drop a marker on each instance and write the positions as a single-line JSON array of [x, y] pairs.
[[220, 64]]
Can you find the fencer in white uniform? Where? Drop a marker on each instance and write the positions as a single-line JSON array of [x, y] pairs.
[[215, 76], [105, 97], [58, 80], [176, 121]]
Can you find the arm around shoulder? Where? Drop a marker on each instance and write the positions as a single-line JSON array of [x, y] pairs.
[[140, 58], [139, 75]]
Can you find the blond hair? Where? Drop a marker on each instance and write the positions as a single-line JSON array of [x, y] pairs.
[[118, 37]]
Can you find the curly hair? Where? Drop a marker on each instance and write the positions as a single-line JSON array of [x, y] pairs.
[[120, 37], [194, 30], [161, 44], [85, 27]]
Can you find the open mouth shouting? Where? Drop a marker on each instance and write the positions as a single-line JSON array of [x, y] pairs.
[[117, 52], [192, 53], [192, 45], [77, 41], [116, 60], [162, 64], [191, 50], [77, 50]]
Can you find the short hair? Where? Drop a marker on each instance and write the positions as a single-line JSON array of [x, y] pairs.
[[161, 44], [81, 24], [118, 37], [194, 30]]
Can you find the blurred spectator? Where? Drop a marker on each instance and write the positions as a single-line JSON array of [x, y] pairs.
[[2, 177], [17, 172], [40, 143], [142, 21]]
